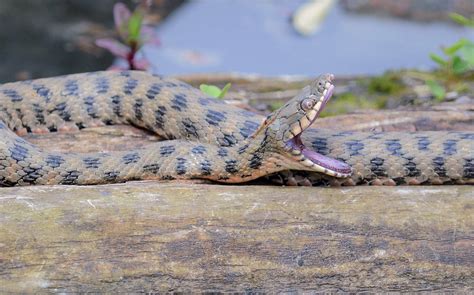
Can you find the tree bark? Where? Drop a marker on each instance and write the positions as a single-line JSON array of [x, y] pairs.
[[183, 236]]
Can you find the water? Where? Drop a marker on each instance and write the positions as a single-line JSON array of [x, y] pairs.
[[252, 36]]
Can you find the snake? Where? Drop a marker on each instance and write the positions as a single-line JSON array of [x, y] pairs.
[[207, 138]]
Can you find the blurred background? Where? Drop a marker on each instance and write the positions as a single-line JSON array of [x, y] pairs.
[[271, 38], [299, 37]]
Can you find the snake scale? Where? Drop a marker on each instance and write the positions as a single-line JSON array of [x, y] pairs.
[[209, 139]]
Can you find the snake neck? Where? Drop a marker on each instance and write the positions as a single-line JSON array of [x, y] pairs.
[[255, 157]]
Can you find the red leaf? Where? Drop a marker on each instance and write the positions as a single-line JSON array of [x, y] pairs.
[[141, 64], [121, 16], [114, 46]]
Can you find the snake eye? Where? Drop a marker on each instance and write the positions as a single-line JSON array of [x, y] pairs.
[[308, 103]]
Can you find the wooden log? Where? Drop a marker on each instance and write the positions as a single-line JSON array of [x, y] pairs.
[[183, 236]]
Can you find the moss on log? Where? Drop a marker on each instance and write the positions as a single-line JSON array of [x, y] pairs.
[[183, 236]]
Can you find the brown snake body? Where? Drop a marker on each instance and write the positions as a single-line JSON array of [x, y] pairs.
[[208, 139]]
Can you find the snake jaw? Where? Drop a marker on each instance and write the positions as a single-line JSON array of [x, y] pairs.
[[312, 160]]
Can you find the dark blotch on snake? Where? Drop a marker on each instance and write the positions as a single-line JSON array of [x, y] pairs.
[[206, 167], [199, 150], [70, 177], [214, 117], [231, 166], [222, 152], [54, 161], [468, 168], [151, 168], [413, 171], [130, 85], [62, 112], [179, 102], [423, 143], [130, 158], [354, 147], [376, 166], [320, 145], [449, 147], [13, 95], [153, 91], [256, 161], [394, 147], [228, 140], [116, 105], [190, 127], [91, 162], [89, 103], [439, 168], [102, 85], [137, 108], [18, 152], [71, 87], [32, 174], [167, 150], [39, 113], [181, 166], [159, 117], [249, 128], [111, 175], [42, 91]]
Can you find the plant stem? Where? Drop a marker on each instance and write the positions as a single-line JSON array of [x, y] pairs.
[[131, 55]]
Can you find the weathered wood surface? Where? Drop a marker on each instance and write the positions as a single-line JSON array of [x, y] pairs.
[[146, 236]]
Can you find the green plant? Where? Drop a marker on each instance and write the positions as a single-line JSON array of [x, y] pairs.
[[133, 35], [458, 60], [215, 91], [438, 91]]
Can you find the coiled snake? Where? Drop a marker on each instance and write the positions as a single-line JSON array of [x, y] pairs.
[[207, 138]]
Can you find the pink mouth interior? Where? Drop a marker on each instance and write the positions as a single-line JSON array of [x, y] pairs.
[[326, 162], [318, 159], [321, 160]]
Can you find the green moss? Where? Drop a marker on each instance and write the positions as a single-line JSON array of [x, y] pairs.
[[461, 87], [386, 84], [276, 105], [348, 102]]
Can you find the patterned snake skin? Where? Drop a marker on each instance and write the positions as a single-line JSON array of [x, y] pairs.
[[208, 139]]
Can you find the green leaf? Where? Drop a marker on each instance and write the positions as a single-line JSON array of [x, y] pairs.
[[451, 50], [438, 59], [459, 66], [135, 25], [467, 53], [210, 90], [462, 20], [215, 91], [436, 89], [224, 90]]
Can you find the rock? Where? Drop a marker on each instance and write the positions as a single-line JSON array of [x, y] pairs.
[[464, 100], [452, 95]]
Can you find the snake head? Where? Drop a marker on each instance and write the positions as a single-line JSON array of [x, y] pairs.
[[288, 123]]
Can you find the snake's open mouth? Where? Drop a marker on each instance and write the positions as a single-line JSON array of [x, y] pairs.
[[311, 159]]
